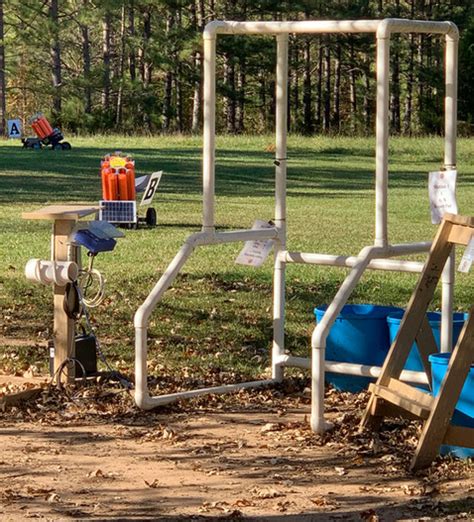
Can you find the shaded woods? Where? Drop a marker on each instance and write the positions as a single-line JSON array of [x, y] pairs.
[[135, 66]]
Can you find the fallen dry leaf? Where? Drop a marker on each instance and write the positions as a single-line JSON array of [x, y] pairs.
[[154, 484]]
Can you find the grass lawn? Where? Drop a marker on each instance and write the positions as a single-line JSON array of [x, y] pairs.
[[216, 319]]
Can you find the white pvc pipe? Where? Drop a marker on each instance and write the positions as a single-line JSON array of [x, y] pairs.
[[142, 396], [361, 370], [366, 258], [320, 333], [447, 304], [450, 103], [387, 26], [381, 140], [281, 117], [350, 261], [209, 131]]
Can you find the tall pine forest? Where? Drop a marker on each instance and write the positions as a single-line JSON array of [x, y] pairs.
[[135, 66]]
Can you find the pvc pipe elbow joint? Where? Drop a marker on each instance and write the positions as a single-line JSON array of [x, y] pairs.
[[212, 28]]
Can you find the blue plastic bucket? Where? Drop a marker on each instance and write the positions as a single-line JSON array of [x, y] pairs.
[[434, 318], [464, 412], [359, 335]]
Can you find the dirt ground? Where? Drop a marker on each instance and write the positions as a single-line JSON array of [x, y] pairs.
[[246, 456]]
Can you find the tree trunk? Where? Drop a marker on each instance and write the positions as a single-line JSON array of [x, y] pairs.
[[295, 91], [145, 63], [240, 108], [197, 18], [263, 100], [168, 98], [307, 94], [106, 61], [407, 119], [337, 89], [3, 94], [319, 88], [119, 109], [86, 64], [367, 106], [395, 88], [229, 100], [327, 83], [132, 62], [352, 87], [55, 52]]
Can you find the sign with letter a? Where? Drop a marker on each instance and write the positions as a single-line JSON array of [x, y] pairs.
[[14, 128]]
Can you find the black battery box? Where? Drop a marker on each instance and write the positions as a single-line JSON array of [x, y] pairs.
[[86, 354]]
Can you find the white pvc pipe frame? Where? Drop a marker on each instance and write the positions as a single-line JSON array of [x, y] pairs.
[[373, 257]]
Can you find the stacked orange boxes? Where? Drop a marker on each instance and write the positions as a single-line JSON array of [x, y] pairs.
[[41, 126], [118, 177]]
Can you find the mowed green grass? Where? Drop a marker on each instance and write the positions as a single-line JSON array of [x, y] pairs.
[[217, 316]]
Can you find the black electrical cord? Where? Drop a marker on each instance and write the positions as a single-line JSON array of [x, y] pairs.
[[72, 303], [113, 373]]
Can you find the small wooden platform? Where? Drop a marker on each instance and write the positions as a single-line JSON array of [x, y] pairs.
[[61, 212]]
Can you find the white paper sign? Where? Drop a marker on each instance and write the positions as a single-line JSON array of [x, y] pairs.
[[150, 190], [467, 258], [14, 128], [255, 252], [442, 192]]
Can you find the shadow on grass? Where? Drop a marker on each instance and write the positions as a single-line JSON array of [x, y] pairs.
[[38, 176]]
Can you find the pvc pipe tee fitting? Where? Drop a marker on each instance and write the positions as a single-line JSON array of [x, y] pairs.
[[51, 272]]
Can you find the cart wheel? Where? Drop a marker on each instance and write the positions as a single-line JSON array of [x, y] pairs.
[[65, 145], [150, 217], [57, 146]]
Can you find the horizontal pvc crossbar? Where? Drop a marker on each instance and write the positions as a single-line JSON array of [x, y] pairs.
[[345, 368]]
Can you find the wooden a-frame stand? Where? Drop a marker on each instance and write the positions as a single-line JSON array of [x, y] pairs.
[[390, 396]]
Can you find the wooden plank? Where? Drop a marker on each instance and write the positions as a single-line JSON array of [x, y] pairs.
[[412, 393], [63, 332], [458, 219], [437, 424], [406, 403], [460, 235], [61, 212], [459, 436], [387, 409], [426, 345]]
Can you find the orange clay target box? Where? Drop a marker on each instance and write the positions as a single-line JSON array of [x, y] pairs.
[[45, 135], [119, 189]]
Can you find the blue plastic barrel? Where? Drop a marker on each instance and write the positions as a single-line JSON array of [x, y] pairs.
[[434, 318], [464, 412], [359, 335]]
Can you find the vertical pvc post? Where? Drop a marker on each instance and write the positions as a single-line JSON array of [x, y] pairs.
[[451, 100], [209, 131], [450, 129], [381, 145], [281, 124]]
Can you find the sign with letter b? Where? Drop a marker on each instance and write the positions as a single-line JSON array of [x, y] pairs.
[[151, 188]]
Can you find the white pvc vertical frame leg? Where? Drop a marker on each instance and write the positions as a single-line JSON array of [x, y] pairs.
[[451, 98], [281, 130], [447, 285], [209, 130], [321, 332], [382, 133], [450, 134]]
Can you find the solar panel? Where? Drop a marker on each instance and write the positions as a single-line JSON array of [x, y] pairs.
[[118, 211]]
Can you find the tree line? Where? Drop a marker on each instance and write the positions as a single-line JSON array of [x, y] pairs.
[[135, 66]]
